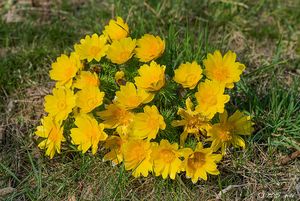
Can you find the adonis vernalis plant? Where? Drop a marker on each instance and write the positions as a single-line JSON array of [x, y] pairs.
[[128, 121]]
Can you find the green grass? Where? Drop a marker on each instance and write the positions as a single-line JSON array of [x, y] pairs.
[[264, 35]]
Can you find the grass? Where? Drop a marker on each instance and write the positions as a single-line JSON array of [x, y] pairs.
[[263, 33]]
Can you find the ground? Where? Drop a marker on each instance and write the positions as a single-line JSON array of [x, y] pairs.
[[264, 34]]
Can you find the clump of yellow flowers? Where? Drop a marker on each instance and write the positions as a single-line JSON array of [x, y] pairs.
[[103, 101]]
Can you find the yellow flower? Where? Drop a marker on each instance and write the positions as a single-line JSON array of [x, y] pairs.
[[119, 75], [116, 116], [119, 78], [114, 143], [147, 124], [166, 160], [121, 50], [116, 29], [200, 162], [86, 79], [53, 132], [227, 132], [88, 133], [152, 77], [64, 69], [193, 122], [137, 157], [129, 97], [60, 104], [89, 98], [211, 98], [149, 47], [94, 47], [188, 74], [223, 69]]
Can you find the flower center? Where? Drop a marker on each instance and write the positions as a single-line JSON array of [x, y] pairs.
[[153, 122], [92, 102], [221, 74], [69, 72], [208, 97], [61, 105], [154, 49], [154, 79], [91, 81], [124, 117], [193, 121], [211, 100], [167, 155], [191, 77], [94, 50], [124, 54], [225, 135], [133, 100], [139, 153], [196, 122], [116, 146], [197, 161]]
